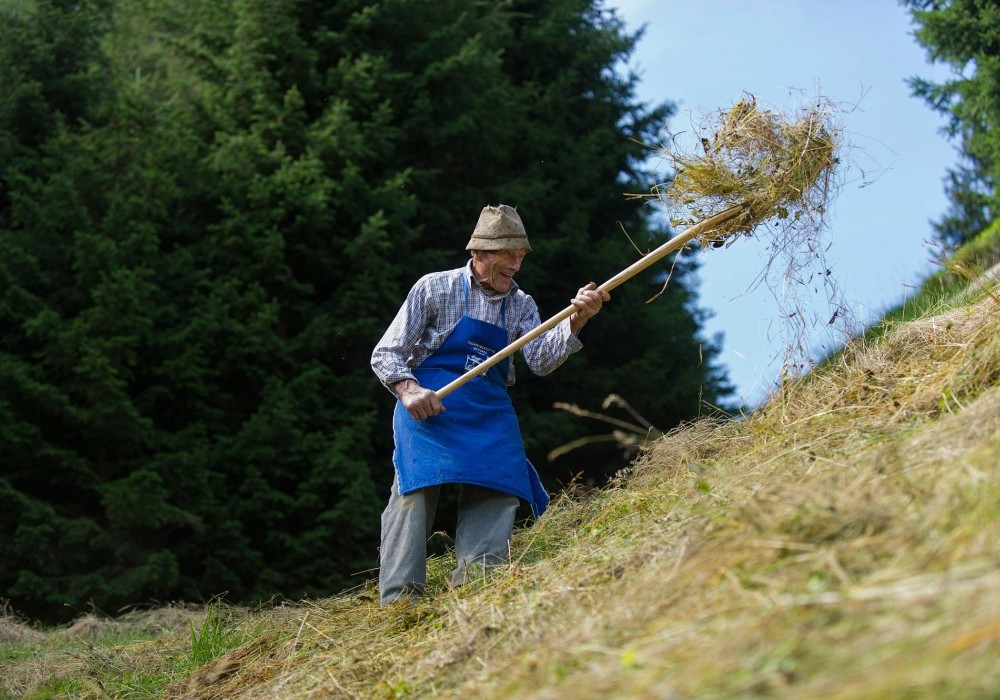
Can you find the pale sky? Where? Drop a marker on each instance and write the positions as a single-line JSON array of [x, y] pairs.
[[857, 54]]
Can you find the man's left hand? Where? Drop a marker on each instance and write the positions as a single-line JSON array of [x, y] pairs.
[[588, 302]]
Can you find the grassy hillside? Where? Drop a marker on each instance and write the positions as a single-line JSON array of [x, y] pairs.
[[843, 541]]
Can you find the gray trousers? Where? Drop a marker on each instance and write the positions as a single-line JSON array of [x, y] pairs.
[[482, 536]]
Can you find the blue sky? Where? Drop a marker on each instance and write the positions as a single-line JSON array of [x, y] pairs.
[[858, 54]]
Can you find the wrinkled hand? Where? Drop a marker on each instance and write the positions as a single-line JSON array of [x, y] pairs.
[[588, 302], [419, 402]]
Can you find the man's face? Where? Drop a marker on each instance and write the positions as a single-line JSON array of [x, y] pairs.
[[495, 269]]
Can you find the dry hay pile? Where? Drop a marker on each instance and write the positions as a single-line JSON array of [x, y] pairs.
[[14, 630]]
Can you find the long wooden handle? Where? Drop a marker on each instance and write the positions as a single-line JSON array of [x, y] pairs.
[[626, 274]]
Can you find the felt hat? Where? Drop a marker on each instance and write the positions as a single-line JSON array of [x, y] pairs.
[[499, 228]]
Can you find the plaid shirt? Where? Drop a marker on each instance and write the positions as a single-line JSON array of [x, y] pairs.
[[434, 307]]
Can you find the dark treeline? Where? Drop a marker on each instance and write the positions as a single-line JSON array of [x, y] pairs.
[[965, 36], [209, 211]]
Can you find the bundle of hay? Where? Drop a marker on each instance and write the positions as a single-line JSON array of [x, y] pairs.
[[751, 167], [761, 162]]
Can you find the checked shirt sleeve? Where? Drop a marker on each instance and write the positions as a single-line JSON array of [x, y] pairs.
[[392, 357], [547, 352]]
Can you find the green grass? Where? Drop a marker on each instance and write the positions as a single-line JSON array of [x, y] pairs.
[[213, 638], [959, 270]]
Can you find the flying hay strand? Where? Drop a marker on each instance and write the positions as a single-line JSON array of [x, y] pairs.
[[770, 167]]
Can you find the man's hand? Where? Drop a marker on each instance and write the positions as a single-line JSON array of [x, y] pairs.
[[419, 402], [588, 302]]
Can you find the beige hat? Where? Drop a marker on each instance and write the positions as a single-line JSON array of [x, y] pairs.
[[499, 228]]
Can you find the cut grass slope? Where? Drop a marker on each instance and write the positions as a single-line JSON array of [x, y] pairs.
[[841, 541]]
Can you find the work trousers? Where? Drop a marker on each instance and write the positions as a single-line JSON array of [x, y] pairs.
[[482, 536]]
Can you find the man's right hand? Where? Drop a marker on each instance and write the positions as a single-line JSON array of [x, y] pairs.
[[419, 402]]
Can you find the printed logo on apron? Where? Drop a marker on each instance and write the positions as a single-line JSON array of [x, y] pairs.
[[477, 354]]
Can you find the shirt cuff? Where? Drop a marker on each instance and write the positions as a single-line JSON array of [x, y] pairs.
[[573, 343], [393, 378]]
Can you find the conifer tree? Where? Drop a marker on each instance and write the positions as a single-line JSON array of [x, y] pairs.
[[963, 34]]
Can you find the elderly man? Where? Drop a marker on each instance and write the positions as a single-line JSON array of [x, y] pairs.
[[450, 322]]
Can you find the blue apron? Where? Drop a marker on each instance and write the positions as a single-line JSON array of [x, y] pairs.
[[477, 440]]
